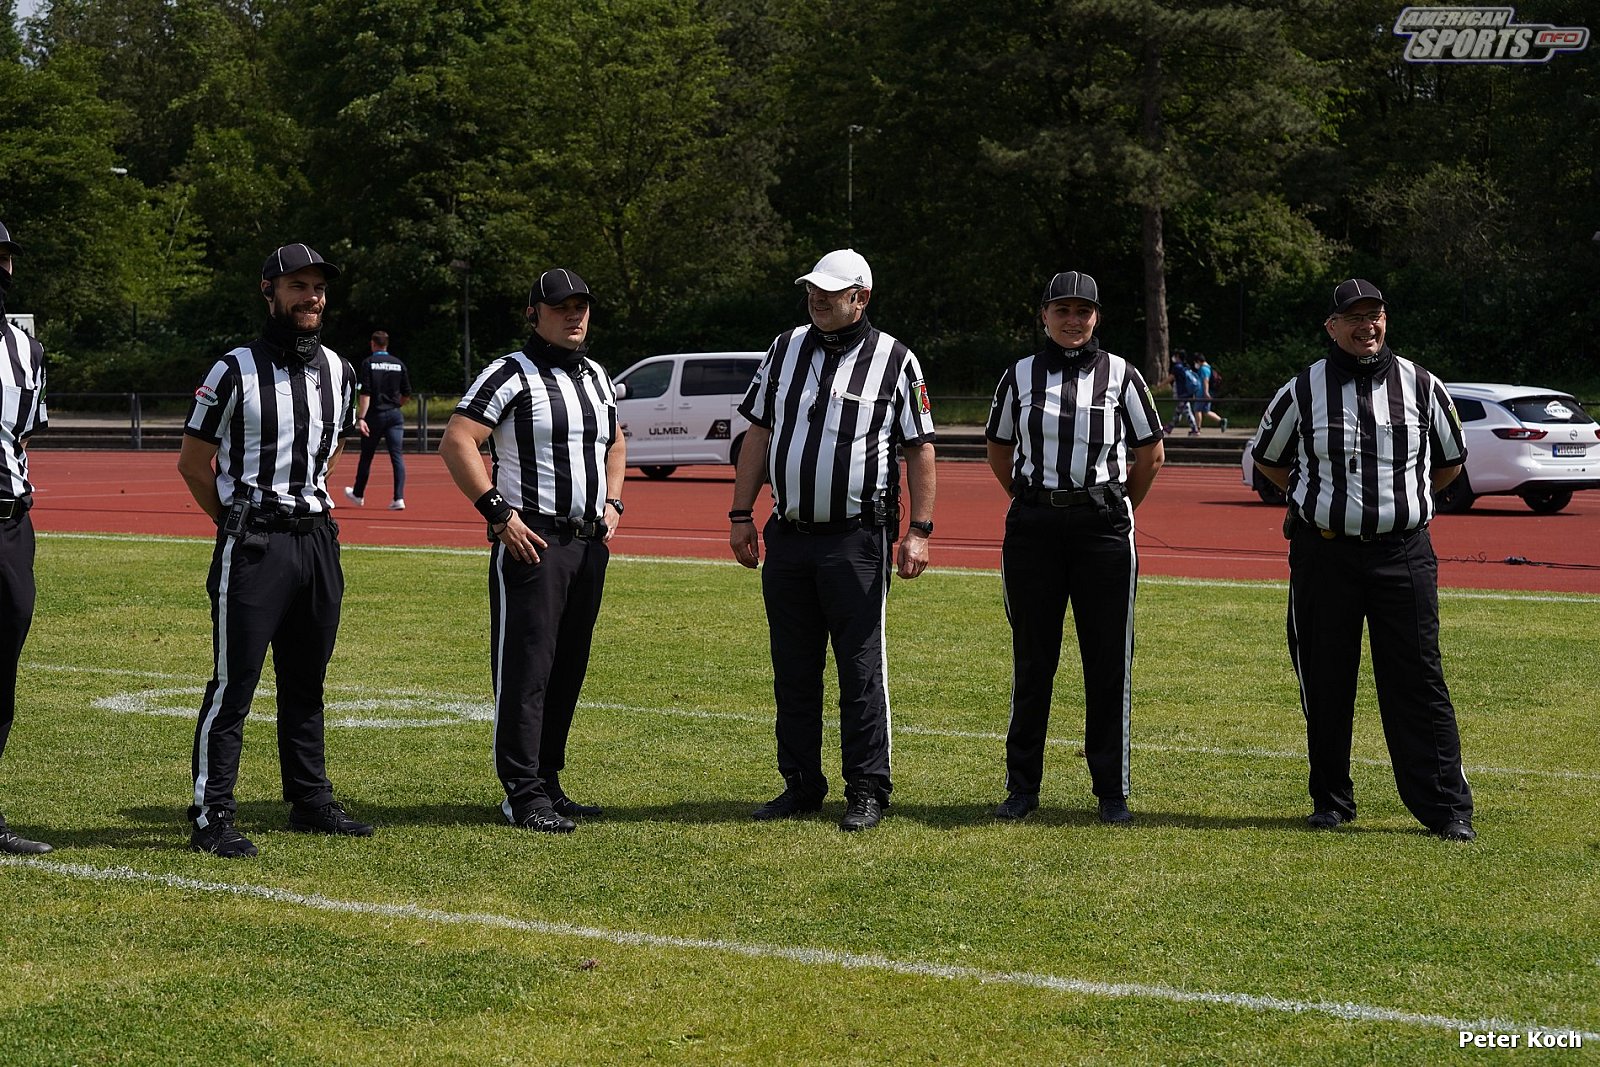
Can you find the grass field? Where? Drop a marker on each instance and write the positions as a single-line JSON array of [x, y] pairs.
[[675, 930]]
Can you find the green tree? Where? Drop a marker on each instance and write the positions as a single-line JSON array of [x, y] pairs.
[[640, 153], [1185, 113]]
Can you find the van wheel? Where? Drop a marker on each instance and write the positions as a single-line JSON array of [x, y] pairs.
[[658, 473], [733, 453], [1547, 501], [1455, 497]]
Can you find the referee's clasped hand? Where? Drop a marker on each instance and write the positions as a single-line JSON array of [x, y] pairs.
[[521, 542]]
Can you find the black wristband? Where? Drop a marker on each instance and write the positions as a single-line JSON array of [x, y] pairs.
[[742, 520], [741, 513], [493, 507]]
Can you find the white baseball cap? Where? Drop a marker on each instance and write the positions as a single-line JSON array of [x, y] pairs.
[[842, 269]]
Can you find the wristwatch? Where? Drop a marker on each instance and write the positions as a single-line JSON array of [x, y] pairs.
[[925, 527], [614, 502]]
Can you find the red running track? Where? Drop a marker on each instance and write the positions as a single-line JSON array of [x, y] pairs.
[[1198, 522]]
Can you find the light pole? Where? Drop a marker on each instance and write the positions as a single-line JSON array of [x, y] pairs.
[[463, 267], [850, 182]]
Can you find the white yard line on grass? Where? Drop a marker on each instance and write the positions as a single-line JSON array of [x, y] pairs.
[[426, 709], [808, 957], [974, 572]]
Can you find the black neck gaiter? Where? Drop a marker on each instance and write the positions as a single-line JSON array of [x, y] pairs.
[[837, 344], [5, 287], [546, 354], [1377, 365], [1072, 357], [300, 346]]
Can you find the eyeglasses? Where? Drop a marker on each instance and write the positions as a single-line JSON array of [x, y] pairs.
[[1356, 318]]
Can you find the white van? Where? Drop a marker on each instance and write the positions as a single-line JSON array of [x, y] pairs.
[[681, 409]]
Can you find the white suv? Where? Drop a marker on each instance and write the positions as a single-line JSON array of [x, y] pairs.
[[1534, 443], [682, 409]]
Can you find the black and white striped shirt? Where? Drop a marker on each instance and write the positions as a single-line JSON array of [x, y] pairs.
[[22, 409], [835, 423], [276, 422], [1072, 421], [552, 430], [1362, 450]]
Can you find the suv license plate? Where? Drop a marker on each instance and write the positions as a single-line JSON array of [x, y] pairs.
[[1570, 450]]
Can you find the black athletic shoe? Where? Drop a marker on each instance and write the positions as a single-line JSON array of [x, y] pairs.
[[565, 805], [544, 821], [1114, 810], [329, 818], [863, 810], [1017, 806], [786, 805], [568, 808], [1457, 830], [1325, 820], [15, 844], [221, 839]]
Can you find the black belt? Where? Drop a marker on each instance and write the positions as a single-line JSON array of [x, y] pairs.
[[14, 509], [805, 526], [287, 523], [1098, 496], [1391, 536], [584, 530]]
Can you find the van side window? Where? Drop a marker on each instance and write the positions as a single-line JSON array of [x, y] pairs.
[[650, 380], [716, 377], [1470, 410]]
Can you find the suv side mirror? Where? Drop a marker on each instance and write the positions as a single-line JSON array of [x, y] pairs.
[[621, 388]]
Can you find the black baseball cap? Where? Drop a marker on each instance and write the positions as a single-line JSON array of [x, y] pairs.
[[1349, 292], [7, 243], [556, 285], [290, 258], [1071, 284]]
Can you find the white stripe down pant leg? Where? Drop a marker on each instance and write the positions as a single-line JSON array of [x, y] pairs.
[[817, 588], [17, 594], [541, 626], [281, 590], [1080, 556]]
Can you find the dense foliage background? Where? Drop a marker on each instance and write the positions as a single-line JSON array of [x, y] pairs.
[[1217, 165]]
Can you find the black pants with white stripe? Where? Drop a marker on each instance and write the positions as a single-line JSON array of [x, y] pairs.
[[268, 589], [1082, 556], [820, 588], [16, 610], [541, 626], [1393, 587]]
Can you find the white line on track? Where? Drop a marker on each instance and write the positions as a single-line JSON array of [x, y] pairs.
[[453, 709], [808, 957]]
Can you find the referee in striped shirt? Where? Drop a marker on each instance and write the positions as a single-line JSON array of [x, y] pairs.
[[1075, 441], [22, 412], [1360, 441], [262, 435], [827, 408], [549, 414]]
